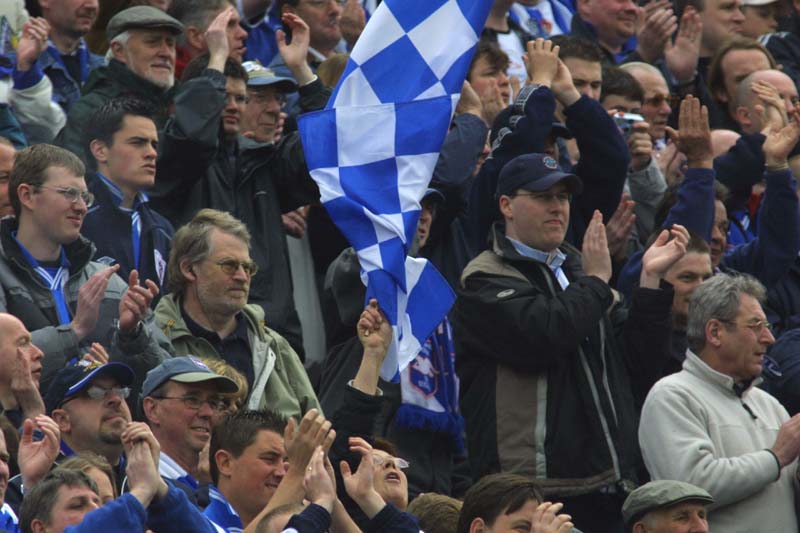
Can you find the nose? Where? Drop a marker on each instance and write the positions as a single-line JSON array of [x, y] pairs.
[[336, 7], [205, 410], [240, 34], [716, 234], [281, 470], [502, 80], [767, 337], [36, 353], [92, 4], [738, 16]]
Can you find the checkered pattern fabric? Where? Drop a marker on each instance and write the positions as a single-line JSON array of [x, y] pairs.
[[372, 151]]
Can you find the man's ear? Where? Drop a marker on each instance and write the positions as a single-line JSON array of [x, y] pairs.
[[713, 332], [37, 526], [118, 51], [742, 116], [187, 269], [639, 527], [61, 417], [99, 150], [477, 526], [505, 206], [150, 410], [25, 193], [224, 461], [195, 38]]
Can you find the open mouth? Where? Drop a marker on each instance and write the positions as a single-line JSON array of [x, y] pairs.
[[393, 476]]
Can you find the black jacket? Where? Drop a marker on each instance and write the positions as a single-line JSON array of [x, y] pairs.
[[254, 182], [550, 378]]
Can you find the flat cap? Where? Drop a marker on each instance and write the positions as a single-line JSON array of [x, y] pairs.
[[658, 494], [141, 17]]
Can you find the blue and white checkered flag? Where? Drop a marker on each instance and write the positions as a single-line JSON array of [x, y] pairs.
[[373, 149]]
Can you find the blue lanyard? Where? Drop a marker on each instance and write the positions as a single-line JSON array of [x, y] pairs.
[[136, 236], [55, 279]]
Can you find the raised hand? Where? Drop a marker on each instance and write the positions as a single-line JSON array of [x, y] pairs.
[[547, 520], [90, 295], [469, 102], [35, 458], [135, 303], [596, 257], [32, 43], [772, 109], [374, 330], [681, 56], [295, 54], [779, 143], [563, 88], [619, 227], [640, 145], [668, 248], [317, 482], [492, 101], [142, 451], [693, 137], [541, 61], [216, 37], [657, 24], [314, 430], [97, 354], [352, 22], [361, 485]]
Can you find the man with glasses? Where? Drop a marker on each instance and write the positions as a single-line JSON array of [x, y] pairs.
[[181, 401], [206, 313], [548, 388], [263, 118], [205, 162], [47, 277], [88, 402], [710, 425]]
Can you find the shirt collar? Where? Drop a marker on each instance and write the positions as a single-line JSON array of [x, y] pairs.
[[169, 469], [211, 336], [553, 259], [696, 366], [118, 196]]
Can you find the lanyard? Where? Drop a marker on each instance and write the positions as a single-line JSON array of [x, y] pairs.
[[55, 279], [136, 236]]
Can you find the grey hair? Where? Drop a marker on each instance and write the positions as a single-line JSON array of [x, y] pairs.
[[122, 38], [718, 298], [639, 66]]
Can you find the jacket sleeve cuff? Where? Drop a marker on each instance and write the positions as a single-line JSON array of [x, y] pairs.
[[28, 78], [777, 463]]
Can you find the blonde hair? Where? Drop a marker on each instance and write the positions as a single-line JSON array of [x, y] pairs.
[[219, 366]]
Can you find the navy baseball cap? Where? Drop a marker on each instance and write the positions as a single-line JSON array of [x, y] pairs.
[[186, 369], [73, 379], [534, 172]]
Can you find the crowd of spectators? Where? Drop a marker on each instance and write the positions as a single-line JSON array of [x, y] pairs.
[[184, 340]]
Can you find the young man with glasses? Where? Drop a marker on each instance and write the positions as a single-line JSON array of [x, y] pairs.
[[47, 277], [123, 142], [181, 402], [206, 313], [710, 425], [88, 402]]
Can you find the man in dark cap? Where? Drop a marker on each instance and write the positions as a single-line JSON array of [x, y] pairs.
[[667, 506], [143, 64], [548, 389], [87, 401]]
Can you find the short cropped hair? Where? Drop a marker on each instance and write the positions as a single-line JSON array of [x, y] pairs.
[[30, 168], [235, 432], [719, 298], [494, 495], [192, 242], [437, 513], [620, 83], [107, 119], [39, 501], [233, 68], [579, 48], [716, 78]]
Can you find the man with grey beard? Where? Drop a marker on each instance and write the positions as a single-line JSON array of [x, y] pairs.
[[142, 63]]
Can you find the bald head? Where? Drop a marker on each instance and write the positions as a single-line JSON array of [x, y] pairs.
[[15, 343], [723, 140], [746, 100]]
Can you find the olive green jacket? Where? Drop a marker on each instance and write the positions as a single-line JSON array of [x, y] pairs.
[[281, 383]]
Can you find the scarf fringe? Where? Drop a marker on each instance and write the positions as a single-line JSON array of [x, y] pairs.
[[415, 417]]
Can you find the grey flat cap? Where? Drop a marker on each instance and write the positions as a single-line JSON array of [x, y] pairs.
[[141, 17], [658, 494]]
